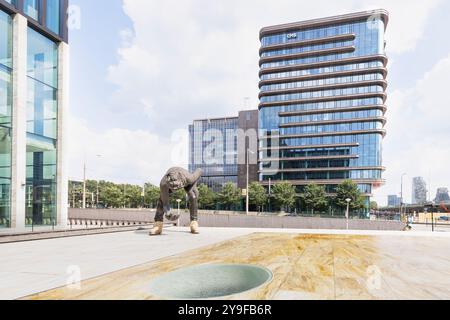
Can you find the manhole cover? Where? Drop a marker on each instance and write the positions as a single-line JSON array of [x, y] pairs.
[[209, 281]]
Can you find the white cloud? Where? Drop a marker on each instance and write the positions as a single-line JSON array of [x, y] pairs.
[[418, 137], [198, 58], [407, 23], [191, 59], [122, 155]]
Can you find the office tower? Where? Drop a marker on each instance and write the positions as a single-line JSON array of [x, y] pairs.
[[33, 103], [322, 101]]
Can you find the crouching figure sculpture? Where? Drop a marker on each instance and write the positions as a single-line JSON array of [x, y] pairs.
[[176, 179]]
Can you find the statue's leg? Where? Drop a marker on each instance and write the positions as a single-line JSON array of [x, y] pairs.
[[193, 202], [193, 205], [159, 217], [163, 205]]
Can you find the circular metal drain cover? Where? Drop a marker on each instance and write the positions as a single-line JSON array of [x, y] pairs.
[[210, 281]]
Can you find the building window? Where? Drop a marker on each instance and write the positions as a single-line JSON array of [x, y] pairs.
[[41, 130], [12, 2], [53, 15], [31, 8], [5, 118]]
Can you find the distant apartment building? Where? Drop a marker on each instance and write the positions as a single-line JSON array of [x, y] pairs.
[[322, 101], [219, 147], [33, 104], [394, 201], [419, 191]]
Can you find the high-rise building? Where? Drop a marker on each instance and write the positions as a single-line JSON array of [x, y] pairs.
[[322, 101], [442, 196], [419, 191], [33, 103], [219, 147], [394, 201]]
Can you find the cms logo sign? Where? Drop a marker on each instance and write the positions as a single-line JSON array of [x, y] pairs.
[[291, 36]]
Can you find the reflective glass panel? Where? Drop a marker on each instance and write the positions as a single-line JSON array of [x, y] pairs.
[[42, 59], [41, 131], [5, 117], [5, 40], [53, 15], [31, 8]]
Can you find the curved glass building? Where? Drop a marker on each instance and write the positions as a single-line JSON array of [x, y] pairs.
[[322, 101]]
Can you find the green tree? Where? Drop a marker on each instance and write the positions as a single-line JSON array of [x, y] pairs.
[[75, 194], [284, 195], [152, 194], [315, 197], [373, 205], [349, 190], [207, 198], [230, 196], [257, 195], [132, 196], [178, 195], [112, 195]]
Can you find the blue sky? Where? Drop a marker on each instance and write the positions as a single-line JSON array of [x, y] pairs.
[[143, 69]]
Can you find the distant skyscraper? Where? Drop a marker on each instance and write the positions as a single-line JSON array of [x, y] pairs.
[[442, 196], [394, 201], [419, 191]]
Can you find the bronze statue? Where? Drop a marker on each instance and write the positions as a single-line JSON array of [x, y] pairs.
[[176, 179]]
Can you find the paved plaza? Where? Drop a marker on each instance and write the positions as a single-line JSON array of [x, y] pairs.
[[412, 264]]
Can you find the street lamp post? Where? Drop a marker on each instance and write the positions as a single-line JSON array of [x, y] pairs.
[[401, 196], [143, 196], [98, 190], [84, 186], [248, 181], [98, 187], [179, 202], [179, 213], [347, 213], [270, 195]]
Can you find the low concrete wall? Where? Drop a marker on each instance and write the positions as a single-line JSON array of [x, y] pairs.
[[113, 215], [242, 221], [239, 220]]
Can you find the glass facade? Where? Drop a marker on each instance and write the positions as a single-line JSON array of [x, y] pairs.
[[41, 130], [214, 149], [53, 14], [40, 26], [49, 14], [32, 8], [5, 117], [323, 70], [328, 119], [369, 35]]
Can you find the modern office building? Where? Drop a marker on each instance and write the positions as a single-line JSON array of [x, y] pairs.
[[419, 191], [218, 147], [394, 201], [442, 196], [33, 102], [322, 101]]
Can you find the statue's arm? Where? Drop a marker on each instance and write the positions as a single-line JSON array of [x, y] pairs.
[[194, 177]]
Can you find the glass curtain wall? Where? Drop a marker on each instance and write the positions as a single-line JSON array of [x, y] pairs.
[[5, 117], [41, 130], [13, 2], [31, 8], [53, 15]]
